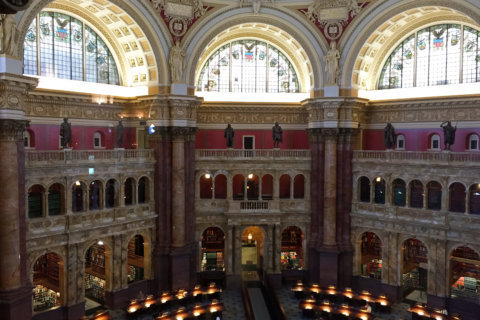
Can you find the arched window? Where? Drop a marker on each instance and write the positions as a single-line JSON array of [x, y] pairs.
[[457, 197], [364, 186], [379, 189], [143, 190], [111, 196], [432, 56], [94, 195], [56, 201], [400, 142], [473, 142], [252, 187], [284, 187], [248, 66], [474, 204], [299, 186], [267, 187], [434, 195], [206, 186], [97, 140], [129, 193], [399, 192], [59, 46], [78, 194], [435, 142], [35, 201], [238, 187], [220, 186], [416, 194]]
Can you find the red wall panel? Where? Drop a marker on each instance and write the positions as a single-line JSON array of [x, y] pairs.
[[419, 139]]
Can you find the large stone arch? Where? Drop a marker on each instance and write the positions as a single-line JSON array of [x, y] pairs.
[[143, 24], [375, 32], [274, 26]]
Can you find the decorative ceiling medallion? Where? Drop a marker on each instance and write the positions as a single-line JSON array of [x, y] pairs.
[[333, 16], [179, 15]]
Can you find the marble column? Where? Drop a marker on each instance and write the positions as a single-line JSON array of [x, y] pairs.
[[15, 292], [330, 188], [178, 191]]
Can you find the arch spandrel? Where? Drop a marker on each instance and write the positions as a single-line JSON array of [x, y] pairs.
[[371, 38], [133, 31], [303, 46]]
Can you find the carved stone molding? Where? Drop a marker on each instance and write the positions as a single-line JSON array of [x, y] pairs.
[[424, 111], [250, 114], [74, 106], [13, 90], [348, 111], [12, 130]]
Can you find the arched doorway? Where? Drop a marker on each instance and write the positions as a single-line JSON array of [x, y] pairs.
[[371, 256], [414, 270], [48, 282], [464, 273], [136, 259], [97, 260], [252, 248], [292, 249], [213, 246]]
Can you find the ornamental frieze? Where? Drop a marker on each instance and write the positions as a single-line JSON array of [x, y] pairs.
[[253, 115], [460, 110], [13, 89], [56, 107]]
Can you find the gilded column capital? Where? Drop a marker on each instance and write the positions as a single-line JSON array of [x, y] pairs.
[[183, 133], [12, 130]]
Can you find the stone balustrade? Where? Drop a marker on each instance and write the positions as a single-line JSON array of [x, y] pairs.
[[88, 220], [441, 157], [254, 154], [79, 157]]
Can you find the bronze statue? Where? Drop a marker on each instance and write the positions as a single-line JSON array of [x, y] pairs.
[[389, 136], [448, 134], [120, 134], [228, 134], [65, 133], [277, 135]]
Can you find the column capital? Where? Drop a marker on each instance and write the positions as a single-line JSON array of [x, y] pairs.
[[12, 130], [13, 91], [337, 112]]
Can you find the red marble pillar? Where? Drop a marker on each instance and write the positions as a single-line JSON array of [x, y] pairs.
[[15, 290], [174, 254], [160, 142], [330, 189]]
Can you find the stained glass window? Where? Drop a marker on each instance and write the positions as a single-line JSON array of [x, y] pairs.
[[248, 66], [57, 45], [436, 55]]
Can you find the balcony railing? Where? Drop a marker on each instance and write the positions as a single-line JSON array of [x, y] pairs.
[[39, 158], [436, 156], [215, 154]]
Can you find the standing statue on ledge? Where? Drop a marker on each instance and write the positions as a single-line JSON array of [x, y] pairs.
[[7, 33], [120, 134], [277, 135], [389, 136], [228, 134], [65, 134], [177, 62], [331, 64], [448, 134]]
